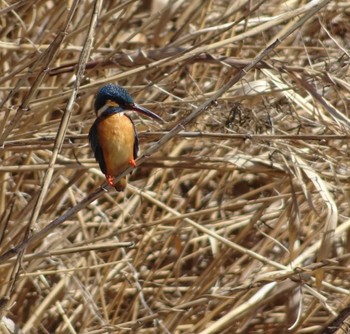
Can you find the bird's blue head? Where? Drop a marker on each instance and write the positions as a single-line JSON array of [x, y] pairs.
[[114, 96]]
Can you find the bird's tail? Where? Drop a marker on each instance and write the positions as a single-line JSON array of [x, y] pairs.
[[121, 184]]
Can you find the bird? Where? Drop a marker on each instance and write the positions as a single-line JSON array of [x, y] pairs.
[[113, 136]]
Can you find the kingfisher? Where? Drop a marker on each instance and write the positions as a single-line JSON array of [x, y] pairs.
[[113, 136]]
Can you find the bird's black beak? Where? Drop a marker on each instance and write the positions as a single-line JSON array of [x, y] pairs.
[[146, 112]]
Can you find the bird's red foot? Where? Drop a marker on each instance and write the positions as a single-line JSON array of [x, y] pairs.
[[110, 179], [132, 162]]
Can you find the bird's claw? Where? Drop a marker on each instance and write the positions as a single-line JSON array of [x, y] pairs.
[[110, 180]]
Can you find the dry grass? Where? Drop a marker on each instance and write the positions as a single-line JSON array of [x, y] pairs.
[[237, 218]]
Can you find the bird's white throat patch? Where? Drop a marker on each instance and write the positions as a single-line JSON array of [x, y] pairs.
[[104, 108], [101, 110]]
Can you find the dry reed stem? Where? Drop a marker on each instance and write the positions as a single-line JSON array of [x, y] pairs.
[[237, 217]]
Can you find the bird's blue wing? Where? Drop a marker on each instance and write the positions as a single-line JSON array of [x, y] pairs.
[[93, 139], [136, 144]]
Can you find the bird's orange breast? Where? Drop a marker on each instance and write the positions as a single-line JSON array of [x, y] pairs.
[[116, 137]]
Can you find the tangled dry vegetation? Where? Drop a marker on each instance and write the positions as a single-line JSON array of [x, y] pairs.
[[237, 217]]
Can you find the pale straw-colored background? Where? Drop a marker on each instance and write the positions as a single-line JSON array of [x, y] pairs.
[[237, 218]]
